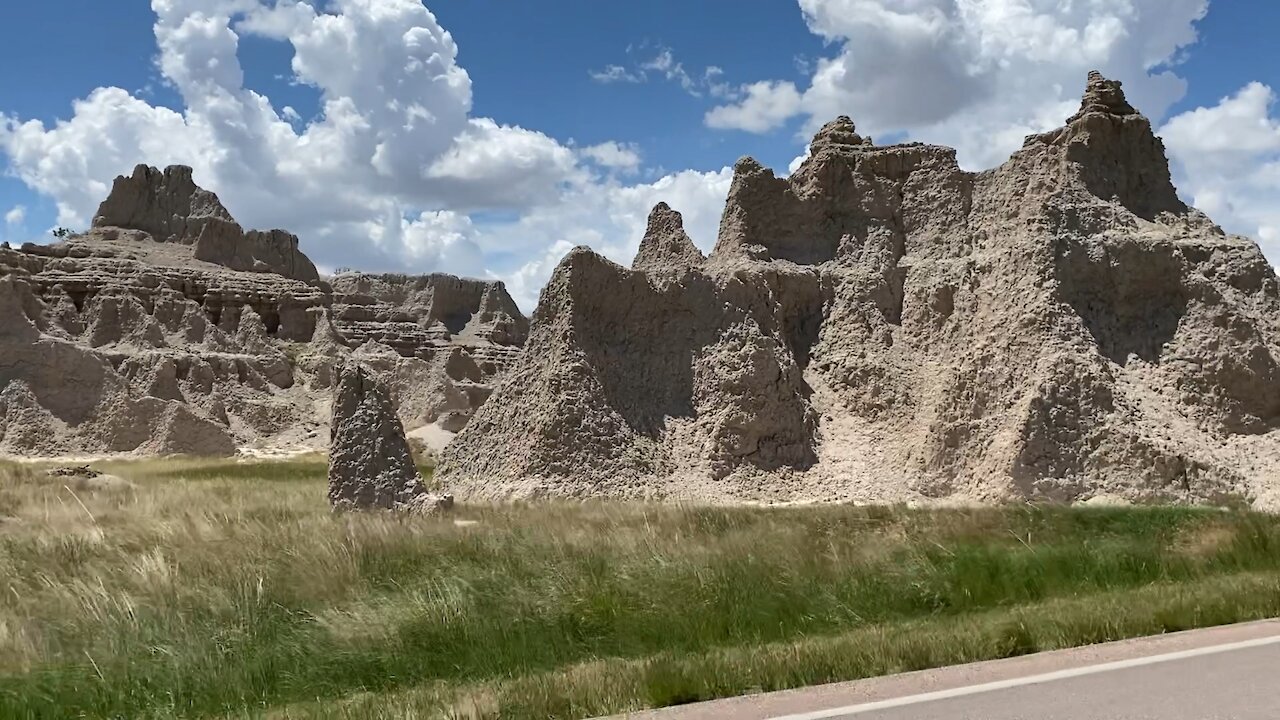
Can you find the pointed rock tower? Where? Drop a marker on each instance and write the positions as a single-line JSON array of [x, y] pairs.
[[1111, 152], [665, 247], [370, 465]]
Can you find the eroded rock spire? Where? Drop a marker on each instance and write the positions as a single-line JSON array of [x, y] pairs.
[[666, 246], [1116, 153], [1104, 96], [838, 134], [370, 464]]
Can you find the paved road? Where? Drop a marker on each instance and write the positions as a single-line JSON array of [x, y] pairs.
[[1239, 684], [1227, 673]]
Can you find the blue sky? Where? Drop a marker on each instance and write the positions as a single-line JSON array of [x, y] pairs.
[[543, 125]]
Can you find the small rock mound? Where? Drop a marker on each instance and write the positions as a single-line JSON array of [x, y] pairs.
[[428, 504], [839, 134], [83, 478], [1104, 96], [666, 246], [370, 464]]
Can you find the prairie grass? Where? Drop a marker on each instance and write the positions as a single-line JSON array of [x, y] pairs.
[[219, 589]]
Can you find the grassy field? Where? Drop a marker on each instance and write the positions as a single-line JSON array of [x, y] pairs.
[[215, 589]]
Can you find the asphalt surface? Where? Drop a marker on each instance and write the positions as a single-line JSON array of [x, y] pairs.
[[1234, 685], [1225, 673]]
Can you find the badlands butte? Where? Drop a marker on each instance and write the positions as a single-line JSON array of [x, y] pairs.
[[879, 326]]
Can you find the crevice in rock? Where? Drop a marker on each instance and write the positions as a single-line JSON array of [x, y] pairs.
[[78, 298], [270, 320]]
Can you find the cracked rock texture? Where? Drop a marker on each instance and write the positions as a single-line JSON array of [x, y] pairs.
[[370, 464], [666, 248], [167, 329], [884, 326]]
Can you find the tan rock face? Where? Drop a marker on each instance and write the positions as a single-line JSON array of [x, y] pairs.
[[665, 247], [840, 135], [410, 311], [114, 342], [169, 207], [61, 397], [884, 326], [370, 466]]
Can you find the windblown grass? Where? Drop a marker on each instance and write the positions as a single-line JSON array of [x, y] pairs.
[[206, 589]]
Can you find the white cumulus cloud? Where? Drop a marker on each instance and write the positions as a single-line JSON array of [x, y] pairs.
[[1227, 162], [392, 173], [609, 216], [615, 155], [616, 73], [765, 105], [663, 65], [16, 216], [975, 74]]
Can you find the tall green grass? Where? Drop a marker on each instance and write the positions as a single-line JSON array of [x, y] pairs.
[[208, 589]]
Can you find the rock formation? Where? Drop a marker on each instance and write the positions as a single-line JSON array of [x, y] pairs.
[[884, 326], [166, 329], [370, 465], [839, 134], [666, 247], [169, 207]]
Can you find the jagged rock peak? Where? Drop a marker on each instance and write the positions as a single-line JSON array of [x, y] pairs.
[[166, 204], [839, 134], [170, 207], [666, 246], [1105, 96], [1115, 154]]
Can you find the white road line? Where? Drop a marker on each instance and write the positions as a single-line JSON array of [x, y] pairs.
[[1029, 680]]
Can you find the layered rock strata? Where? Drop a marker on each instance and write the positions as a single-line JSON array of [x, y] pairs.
[[884, 326], [167, 329]]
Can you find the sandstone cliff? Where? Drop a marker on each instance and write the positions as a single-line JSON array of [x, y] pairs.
[[884, 326], [167, 329]]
